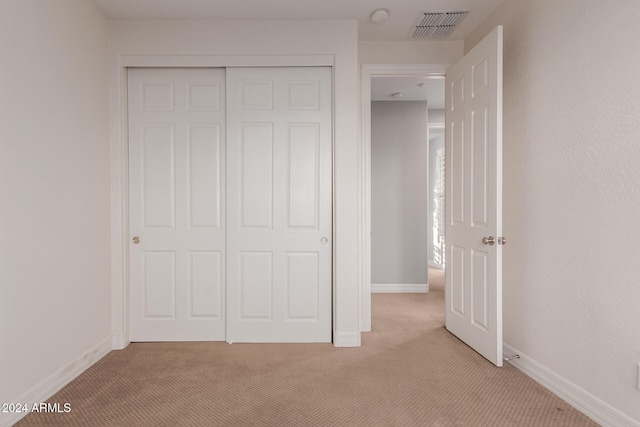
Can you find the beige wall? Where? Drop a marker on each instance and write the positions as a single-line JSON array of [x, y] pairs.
[[410, 52], [54, 170], [572, 190]]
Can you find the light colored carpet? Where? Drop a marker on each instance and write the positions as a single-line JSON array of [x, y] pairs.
[[409, 372]]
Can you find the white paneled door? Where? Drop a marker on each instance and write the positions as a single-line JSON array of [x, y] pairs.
[[230, 204], [177, 204], [473, 292], [279, 204]]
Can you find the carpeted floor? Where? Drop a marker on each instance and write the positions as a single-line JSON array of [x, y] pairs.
[[409, 372]]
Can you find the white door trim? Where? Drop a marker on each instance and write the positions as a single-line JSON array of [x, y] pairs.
[[223, 61], [120, 161], [369, 71]]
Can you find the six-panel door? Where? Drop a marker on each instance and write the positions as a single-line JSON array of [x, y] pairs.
[[473, 290], [233, 212], [279, 205], [177, 204]]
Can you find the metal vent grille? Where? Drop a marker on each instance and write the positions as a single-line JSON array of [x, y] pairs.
[[436, 25]]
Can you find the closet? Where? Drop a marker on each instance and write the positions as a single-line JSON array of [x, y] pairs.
[[230, 204]]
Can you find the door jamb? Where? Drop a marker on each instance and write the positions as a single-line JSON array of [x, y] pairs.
[[369, 71], [120, 161]]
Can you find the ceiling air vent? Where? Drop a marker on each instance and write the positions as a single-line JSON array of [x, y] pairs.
[[436, 25]]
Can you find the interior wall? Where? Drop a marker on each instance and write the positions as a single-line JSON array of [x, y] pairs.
[[410, 52], [571, 190], [54, 169], [194, 41], [436, 117], [399, 192]]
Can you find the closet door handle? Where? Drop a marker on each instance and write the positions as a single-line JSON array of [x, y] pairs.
[[489, 241]]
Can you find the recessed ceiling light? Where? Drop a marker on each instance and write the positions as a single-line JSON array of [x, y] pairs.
[[379, 15], [397, 95]]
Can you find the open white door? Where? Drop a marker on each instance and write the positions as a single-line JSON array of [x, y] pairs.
[[473, 291]]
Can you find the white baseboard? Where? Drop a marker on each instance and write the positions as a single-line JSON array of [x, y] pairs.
[[346, 339], [118, 342], [596, 409], [52, 384], [402, 288]]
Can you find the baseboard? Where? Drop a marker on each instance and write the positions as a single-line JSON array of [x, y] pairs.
[[118, 341], [596, 409], [52, 384], [402, 288], [346, 339]]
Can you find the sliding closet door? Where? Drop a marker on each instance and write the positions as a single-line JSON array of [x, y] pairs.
[[177, 211], [279, 204]]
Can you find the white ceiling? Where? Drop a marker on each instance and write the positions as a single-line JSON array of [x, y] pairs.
[[402, 13], [432, 92]]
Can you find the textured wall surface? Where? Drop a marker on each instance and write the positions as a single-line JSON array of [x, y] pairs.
[[572, 190], [54, 191], [399, 192], [410, 52]]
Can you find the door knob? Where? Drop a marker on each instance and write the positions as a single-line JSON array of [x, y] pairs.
[[324, 240], [502, 240], [136, 240], [489, 241]]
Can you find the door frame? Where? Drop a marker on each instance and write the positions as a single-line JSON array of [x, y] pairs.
[[368, 72], [120, 290]]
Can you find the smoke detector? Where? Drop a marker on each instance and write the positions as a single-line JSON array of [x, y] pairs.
[[379, 15], [436, 25]]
